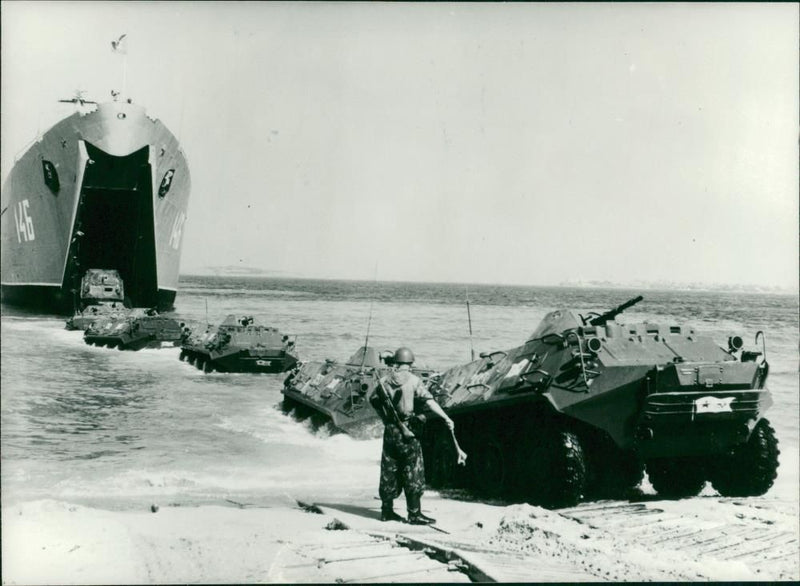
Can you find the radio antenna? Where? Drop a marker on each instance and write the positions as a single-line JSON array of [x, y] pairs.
[[469, 321], [369, 321], [366, 340]]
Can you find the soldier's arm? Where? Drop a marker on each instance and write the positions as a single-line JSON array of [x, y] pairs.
[[422, 393], [436, 408]]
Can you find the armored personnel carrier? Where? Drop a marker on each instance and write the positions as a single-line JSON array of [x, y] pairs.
[[586, 404], [142, 328], [337, 392], [101, 295], [239, 345]]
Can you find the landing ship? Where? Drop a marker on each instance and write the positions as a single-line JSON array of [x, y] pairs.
[[106, 187]]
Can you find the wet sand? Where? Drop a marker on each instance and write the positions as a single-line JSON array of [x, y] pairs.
[[703, 538]]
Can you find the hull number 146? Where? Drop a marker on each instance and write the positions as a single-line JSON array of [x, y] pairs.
[[23, 222], [177, 230]]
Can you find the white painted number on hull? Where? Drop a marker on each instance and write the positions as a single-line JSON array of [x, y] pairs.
[[23, 222], [264, 362], [177, 230], [713, 405]]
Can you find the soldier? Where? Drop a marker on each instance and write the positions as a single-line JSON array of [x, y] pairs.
[[402, 467]]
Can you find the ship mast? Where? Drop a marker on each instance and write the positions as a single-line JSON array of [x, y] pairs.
[[120, 47]]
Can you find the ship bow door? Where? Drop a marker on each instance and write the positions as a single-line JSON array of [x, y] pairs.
[[114, 224]]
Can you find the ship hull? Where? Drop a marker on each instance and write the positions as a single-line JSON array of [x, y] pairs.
[[107, 189], [54, 299]]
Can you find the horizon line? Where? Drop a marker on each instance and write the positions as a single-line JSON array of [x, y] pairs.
[[590, 284]]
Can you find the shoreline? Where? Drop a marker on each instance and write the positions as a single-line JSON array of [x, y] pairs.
[[703, 538]]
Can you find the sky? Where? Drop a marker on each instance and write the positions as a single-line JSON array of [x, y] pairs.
[[528, 144]]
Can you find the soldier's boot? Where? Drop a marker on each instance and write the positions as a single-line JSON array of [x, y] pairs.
[[388, 514], [415, 516]]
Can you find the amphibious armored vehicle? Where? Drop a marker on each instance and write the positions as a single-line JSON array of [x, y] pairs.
[[142, 328], [101, 295], [337, 392], [239, 345], [586, 404]]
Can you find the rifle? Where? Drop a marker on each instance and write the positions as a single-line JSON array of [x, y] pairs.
[[388, 409]]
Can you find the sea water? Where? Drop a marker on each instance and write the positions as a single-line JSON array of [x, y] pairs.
[[119, 429]]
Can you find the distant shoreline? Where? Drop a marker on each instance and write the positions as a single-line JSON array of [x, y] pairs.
[[597, 285]]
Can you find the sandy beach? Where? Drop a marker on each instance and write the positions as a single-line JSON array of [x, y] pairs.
[[644, 539]]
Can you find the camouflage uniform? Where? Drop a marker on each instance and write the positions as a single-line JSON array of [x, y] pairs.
[[402, 467]]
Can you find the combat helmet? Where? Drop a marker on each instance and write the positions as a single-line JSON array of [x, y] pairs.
[[403, 356]]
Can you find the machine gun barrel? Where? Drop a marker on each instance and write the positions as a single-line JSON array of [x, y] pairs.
[[609, 315]]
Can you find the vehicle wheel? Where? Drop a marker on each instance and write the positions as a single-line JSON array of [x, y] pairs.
[[490, 468], [441, 465], [551, 469], [200, 363], [752, 467], [287, 405], [613, 473], [302, 412], [319, 421], [628, 473], [182, 355], [569, 469], [677, 478], [208, 366]]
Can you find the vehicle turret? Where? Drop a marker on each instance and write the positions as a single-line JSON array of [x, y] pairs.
[[99, 285]]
